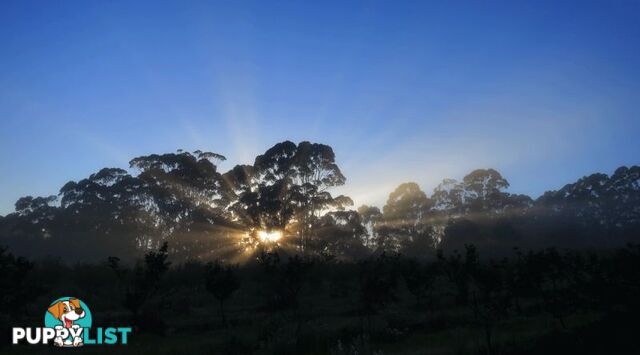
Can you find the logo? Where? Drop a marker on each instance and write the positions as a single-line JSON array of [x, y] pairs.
[[67, 323]]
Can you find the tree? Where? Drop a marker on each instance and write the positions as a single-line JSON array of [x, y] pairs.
[[109, 212], [221, 281], [340, 234], [284, 280], [188, 198], [30, 230], [480, 193], [419, 279], [378, 281], [449, 197], [477, 211], [603, 210], [178, 196], [287, 186], [16, 288], [145, 283], [371, 218], [485, 182], [405, 224], [490, 299], [552, 277]]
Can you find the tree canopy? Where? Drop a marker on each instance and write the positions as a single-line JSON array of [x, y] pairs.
[[183, 198]]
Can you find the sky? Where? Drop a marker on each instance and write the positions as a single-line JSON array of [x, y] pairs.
[[543, 91]]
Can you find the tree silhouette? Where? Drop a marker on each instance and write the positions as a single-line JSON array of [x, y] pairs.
[[371, 219], [378, 277], [181, 197], [144, 284], [419, 279], [14, 272], [284, 280], [221, 281], [288, 184], [340, 234], [405, 226], [490, 299]]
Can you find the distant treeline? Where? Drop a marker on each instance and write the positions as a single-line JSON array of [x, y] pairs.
[[204, 214]]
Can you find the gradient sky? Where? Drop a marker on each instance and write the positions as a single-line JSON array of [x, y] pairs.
[[545, 92]]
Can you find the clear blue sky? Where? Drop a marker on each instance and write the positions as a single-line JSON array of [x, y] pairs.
[[545, 92]]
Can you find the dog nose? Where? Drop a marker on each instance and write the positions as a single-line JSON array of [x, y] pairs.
[[79, 311]]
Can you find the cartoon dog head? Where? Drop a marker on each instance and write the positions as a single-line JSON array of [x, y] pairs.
[[67, 311]]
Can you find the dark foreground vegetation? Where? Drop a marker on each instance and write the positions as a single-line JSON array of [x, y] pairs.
[[533, 302]]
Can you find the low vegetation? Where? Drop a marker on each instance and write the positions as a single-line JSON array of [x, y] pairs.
[[534, 302]]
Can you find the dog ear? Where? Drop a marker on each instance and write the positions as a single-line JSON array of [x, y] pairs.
[[75, 302], [56, 309]]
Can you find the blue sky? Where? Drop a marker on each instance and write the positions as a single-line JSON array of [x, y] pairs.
[[545, 92]]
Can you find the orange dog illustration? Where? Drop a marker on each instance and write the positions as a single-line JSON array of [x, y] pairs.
[[67, 312]]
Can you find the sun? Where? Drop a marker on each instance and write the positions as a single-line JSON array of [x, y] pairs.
[[269, 236]]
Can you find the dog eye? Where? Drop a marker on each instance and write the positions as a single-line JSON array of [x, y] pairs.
[[72, 307], [65, 309]]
